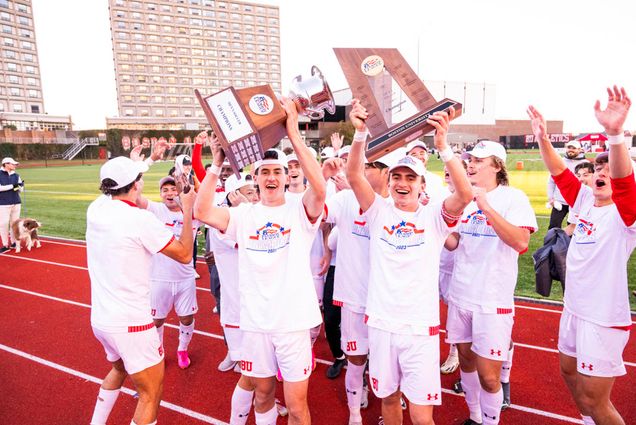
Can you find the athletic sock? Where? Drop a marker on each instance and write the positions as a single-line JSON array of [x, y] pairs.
[[506, 367], [241, 405], [354, 381], [490, 406], [314, 333], [160, 332], [104, 405], [185, 335], [472, 389], [267, 418], [452, 352], [587, 420]]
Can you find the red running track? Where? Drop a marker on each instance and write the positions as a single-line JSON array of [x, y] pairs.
[[52, 364]]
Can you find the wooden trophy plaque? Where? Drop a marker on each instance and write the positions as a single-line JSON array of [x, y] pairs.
[[362, 67], [246, 121]]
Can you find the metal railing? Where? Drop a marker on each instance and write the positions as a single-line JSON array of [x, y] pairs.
[[79, 146]]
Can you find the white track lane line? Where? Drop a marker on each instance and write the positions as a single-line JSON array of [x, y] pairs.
[[95, 380]]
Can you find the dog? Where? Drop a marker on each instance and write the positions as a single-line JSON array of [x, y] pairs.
[[25, 230]]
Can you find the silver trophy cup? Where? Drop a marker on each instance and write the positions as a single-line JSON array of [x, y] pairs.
[[313, 95]]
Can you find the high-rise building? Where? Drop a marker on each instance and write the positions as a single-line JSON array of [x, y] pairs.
[[20, 84], [164, 49]]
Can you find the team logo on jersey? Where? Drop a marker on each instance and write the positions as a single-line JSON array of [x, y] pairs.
[[269, 238], [360, 228], [403, 235], [477, 224], [584, 233]]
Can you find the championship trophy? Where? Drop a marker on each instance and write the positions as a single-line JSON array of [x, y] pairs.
[[368, 72], [250, 121]]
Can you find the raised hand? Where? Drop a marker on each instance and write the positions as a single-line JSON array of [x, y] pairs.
[[337, 141], [159, 149], [236, 198], [292, 114], [186, 198], [331, 167], [341, 182], [358, 115], [479, 196], [441, 122], [218, 156], [539, 126], [614, 115], [135, 153], [201, 138]]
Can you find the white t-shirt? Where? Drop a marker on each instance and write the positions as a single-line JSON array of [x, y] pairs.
[[596, 275], [435, 188], [317, 246], [226, 256], [120, 242], [165, 268], [275, 282], [404, 267], [485, 272]]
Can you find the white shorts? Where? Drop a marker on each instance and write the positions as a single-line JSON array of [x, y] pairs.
[[234, 339], [490, 333], [597, 349], [262, 354], [354, 333], [138, 350], [406, 362], [181, 295]]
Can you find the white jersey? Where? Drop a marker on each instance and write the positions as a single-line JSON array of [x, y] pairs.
[[226, 256], [120, 242], [404, 267], [165, 268], [317, 246], [485, 272], [596, 275], [275, 283]]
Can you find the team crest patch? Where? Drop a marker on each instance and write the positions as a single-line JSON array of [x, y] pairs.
[[360, 228], [403, 235], [476, 224], [269, 238], [584, 233]]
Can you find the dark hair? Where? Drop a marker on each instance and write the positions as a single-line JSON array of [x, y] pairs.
[[171, 172], [502, 174], [288, 151], [106, 187], [271, 154], [601, 159], [587, 165], [207, 166]]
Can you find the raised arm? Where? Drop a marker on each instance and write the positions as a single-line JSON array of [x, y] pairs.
[[197, 162], [204, 208], [314, 197], [355, 162], [551, 158], [612, 119]]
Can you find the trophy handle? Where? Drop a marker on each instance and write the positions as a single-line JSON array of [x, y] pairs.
[[315, 115]]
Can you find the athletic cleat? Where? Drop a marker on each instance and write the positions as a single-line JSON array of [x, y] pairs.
[[470, 422], [457, 387], [282, 410], [334, 370], [227, 364], [403, 403], [183, 359], [197, 275], [450, 365], [279, 376], [505, 386], [364, 402], [4, 249]]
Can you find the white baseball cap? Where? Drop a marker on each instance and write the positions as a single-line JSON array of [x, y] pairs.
[[574, 143], [281, 159], [292, 157], [183, 160], [345, 150], [486, 148], [327, 153], [416, 144], [232, 183], [411, 163], [9, 160], [122, 170]]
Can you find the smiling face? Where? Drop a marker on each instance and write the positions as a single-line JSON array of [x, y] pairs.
[[271, 180], [405, 187], [296, 175], [572, 152], [250, 193], [482, 172], [226, 171], [585, 176], [601, 183], [169, 196], [419, 153]]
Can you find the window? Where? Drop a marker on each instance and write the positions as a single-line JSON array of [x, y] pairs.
[[29, 69], [7, 29], [4, 15], [10, 54], [12, 67], [26, 33], [120, 14], [14, 79], [31, 81], [129, 112], [17, 107], [33, 93], [35, 109], [27, 45], [23, 8], [15, 91]]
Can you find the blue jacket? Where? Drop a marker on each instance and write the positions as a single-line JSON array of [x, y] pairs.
[[8, 196]]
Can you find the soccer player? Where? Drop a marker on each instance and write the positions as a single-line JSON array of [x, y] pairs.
[[435, 191], [278, 300], [405, 241], [595, 322], [494, 229], [171, 283], [120, 242]]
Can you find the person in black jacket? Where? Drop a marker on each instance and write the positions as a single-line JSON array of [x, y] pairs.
[[10, 187]]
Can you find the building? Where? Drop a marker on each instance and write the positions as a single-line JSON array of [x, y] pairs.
[[164, 49], [20, 83]]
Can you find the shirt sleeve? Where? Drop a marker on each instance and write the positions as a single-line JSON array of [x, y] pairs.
[[153, 234], [623, 195], [551, 187], [569, 186], [304, 218], [197, 163], [374, 209]]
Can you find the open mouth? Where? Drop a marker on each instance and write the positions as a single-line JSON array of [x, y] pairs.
[[270, 186], [600, 183], [402, 191]]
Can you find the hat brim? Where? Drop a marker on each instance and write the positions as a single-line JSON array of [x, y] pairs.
[[409, 166]]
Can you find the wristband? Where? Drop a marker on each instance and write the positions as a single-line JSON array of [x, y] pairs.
[[446, 154], [616, 139], [450, 217], [149, 161], [215, 169], [360, 136]]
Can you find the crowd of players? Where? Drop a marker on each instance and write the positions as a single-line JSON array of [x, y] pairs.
[[391, 240]]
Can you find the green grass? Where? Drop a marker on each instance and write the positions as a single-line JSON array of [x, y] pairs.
[[59, 196]]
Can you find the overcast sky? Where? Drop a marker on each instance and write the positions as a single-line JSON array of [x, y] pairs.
[[557, 55]]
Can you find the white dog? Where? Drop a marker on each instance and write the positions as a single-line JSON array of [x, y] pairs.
[[25, 230]]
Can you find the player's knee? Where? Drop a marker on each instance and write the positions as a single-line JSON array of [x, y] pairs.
[[158, 322], [392, 399], [490, 382], [298, 412], [422, 420], [186, 320]]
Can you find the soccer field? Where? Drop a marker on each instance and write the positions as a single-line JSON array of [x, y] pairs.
[[59, 196]]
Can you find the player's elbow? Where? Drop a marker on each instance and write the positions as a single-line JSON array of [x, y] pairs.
[[185, 255], [521, 246]]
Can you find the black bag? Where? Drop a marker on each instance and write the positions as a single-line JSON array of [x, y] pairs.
[[549, 261]]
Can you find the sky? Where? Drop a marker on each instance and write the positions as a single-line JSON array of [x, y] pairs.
[[557, 55]]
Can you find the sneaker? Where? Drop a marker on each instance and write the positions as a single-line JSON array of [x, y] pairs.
[[457, 387], [403, 403], [197, 275], [364, 402], [183, 359], [334, 370], [4, 249], [505, 386], [12, 245], [470, 422], [226, 364], [450, 365], [281, 409]]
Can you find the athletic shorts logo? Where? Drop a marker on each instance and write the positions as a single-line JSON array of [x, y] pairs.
[[160, 350], [403, 235], [153, 312], [269, 238], [352, 345], [476, 224], [374, 383], [433, 397], [584, 233], [587, 366], [246, 366], [497, 352]]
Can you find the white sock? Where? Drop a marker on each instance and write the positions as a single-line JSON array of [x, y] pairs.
[[132, 422], [314, 333], [267, 418], [587, 420], [472, 389], [490, 406], [104, 405], [241, 405], [185, 335], [452, 352], [160, 332], [506, 367], [354, 381]]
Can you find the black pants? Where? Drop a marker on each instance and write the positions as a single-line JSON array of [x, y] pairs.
[[556, 217], [332, 315]]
